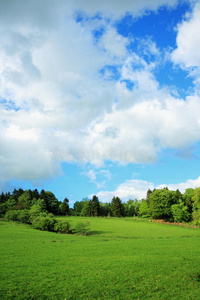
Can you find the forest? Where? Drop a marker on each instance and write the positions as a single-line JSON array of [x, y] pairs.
[[33, 207]]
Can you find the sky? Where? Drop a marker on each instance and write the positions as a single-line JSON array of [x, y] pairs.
[[99, 97]]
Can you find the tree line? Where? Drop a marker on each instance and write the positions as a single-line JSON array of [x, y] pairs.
[[172, 206]]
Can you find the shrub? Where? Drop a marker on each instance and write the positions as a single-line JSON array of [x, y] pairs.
[[12, 215], [24, 216], [62, 227], [82, 228], [44, 223], [34, 212]]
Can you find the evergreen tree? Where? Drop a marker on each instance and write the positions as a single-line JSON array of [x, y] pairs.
[[95, 206], [117, 208], [64, 207]]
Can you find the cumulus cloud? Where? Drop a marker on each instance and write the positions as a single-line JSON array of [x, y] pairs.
[[187, 55], [130, 189], [188, 41], [137, 189], [58, 105]]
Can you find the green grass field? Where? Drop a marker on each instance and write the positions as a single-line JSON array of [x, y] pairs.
[[121, 259]]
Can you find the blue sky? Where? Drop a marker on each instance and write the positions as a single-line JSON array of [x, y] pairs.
[[99, 97]]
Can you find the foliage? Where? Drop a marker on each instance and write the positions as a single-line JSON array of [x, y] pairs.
[[78, 205], [157, 205], [12, 215], [144, 209], [160, 202], [51, 203], [196, 217], [24, 216], [117, 208], [86, 208], [64, 207], [196, 198], [95, 206], [24, 201], [130, 208], [105, 209], [44, 223], [62, 227], [180, 212], [34, 212], [82, 228]]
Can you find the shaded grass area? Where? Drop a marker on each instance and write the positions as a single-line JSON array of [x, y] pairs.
[[122, 259]]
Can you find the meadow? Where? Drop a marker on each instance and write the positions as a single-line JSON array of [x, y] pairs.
[[122, 258]]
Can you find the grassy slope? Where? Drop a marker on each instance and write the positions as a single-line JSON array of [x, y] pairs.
[[122, 259]]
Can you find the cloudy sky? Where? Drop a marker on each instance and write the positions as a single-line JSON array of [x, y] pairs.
[[99, 97]]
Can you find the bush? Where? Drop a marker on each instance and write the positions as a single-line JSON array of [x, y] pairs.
[[12, 215], [82, 228], [44, 223], [62, 227], [34, 212], [24, 216]]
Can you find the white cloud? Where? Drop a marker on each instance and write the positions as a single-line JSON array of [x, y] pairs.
[[114, 44], [182, 186], [130, 189], [61, 108], [118, 8], [188, 41], [91, 174], [137, 189]]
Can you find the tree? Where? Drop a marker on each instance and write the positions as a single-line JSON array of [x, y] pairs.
[[117, 208], [86, 208], [196, 198], [187, 198], [17, 193], [64, 207], [160, 202], [105, 209], [144, 209], [180, 212], [24, 201], [129, 208], [196, 206], [51, 203], [95, 206], [78, 205]]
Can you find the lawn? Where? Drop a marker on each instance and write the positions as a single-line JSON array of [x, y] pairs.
[[121, 259]]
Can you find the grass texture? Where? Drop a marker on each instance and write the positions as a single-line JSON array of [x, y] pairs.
[[122, 258]]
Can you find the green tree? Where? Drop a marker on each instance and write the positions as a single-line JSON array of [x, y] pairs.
[[105, 209], [180, 212], [24, 201], [117, 207], [129, 208], [160, 202], [86, 210], [51, 203], [196, 206], [95, 206], [64, 207], [144, 209], [187, 198], [16, 194], [35, 212], [78, 205]]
